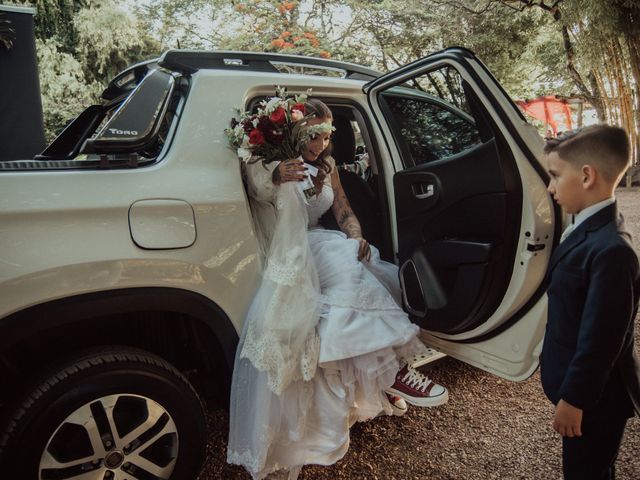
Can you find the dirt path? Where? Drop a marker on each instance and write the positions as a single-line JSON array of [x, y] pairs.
[[490, 429]]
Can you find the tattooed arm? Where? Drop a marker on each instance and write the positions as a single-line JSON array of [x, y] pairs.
[[345, 217]]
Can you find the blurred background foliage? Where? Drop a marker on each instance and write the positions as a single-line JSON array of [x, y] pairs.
[[585, 49]]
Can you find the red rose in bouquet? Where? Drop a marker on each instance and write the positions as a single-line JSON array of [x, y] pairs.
[[270, 129], [256, 137], [279, 116]]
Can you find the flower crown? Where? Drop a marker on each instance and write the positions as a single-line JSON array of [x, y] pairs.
[[278, 130]]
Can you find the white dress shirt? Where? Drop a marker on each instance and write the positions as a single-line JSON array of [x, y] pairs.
[[584, 214]]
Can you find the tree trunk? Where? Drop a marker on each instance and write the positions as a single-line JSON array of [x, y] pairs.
[[592, 97], [622, 102], [597, 78], [633, 44], [597, 86], [609, 80], [626, 95], [579, 114]]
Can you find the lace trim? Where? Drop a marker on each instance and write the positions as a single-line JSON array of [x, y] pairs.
[[365, 295], [256, 467], [246, 459], [288, 272], [267, 354], [369, 302], [309, 358], [255, 463]]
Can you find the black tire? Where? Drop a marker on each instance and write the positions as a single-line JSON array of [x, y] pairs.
[[138, 392]]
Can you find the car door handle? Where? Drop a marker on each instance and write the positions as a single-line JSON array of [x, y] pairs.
[[423, 190]]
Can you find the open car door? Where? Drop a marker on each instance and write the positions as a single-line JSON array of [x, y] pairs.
[[474, 224]]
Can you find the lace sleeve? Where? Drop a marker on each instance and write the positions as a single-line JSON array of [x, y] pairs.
[[259, 181]]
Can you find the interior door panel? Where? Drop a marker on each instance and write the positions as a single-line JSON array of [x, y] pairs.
[[454, 237], [459, 181]]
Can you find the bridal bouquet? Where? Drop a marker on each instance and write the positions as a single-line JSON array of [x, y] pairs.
[[278, 130]]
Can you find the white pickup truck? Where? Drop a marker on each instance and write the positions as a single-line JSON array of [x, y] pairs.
[[128, 257]]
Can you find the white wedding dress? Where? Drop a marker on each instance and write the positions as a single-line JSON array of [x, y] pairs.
[[363, 332]]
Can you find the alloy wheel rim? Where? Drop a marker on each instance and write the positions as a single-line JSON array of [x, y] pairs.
[[112, 438]]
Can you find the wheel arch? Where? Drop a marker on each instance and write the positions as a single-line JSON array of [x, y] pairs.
[[184, 327]]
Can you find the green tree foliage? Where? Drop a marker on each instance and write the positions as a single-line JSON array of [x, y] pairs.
[[524, 51], [521, 50], [54, 20], [580, 48], [601, 46], [81, 45], [64, 87], [109, 39], [587, 48]]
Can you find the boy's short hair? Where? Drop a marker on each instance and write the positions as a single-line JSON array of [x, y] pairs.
[[605, 147]]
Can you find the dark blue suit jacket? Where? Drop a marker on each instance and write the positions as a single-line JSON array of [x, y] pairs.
[[593, 286]]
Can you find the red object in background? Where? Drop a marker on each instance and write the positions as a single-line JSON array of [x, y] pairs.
[[547, 109]]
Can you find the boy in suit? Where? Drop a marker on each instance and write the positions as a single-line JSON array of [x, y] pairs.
[[589, 368]]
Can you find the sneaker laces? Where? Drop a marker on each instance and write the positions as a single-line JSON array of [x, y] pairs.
[[415, 379]]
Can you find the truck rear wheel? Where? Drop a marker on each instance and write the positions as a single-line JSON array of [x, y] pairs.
[[109, 414]]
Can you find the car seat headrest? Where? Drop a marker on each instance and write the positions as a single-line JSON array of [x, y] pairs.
[[343, 140]]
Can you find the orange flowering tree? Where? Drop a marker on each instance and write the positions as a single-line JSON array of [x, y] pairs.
[[300, 42], [320, 28], [276, 26]]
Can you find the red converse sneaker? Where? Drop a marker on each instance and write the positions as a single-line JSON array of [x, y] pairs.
[[417, 389], [398, 405]]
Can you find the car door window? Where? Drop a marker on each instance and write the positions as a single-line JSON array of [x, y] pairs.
[[429, 117]]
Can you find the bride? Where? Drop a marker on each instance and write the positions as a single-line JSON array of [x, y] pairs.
[[325, 343]]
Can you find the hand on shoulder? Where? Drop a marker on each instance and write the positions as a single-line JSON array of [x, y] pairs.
[[292, 170]]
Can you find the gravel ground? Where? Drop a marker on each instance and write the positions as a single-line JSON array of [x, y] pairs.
[[490, 429]]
